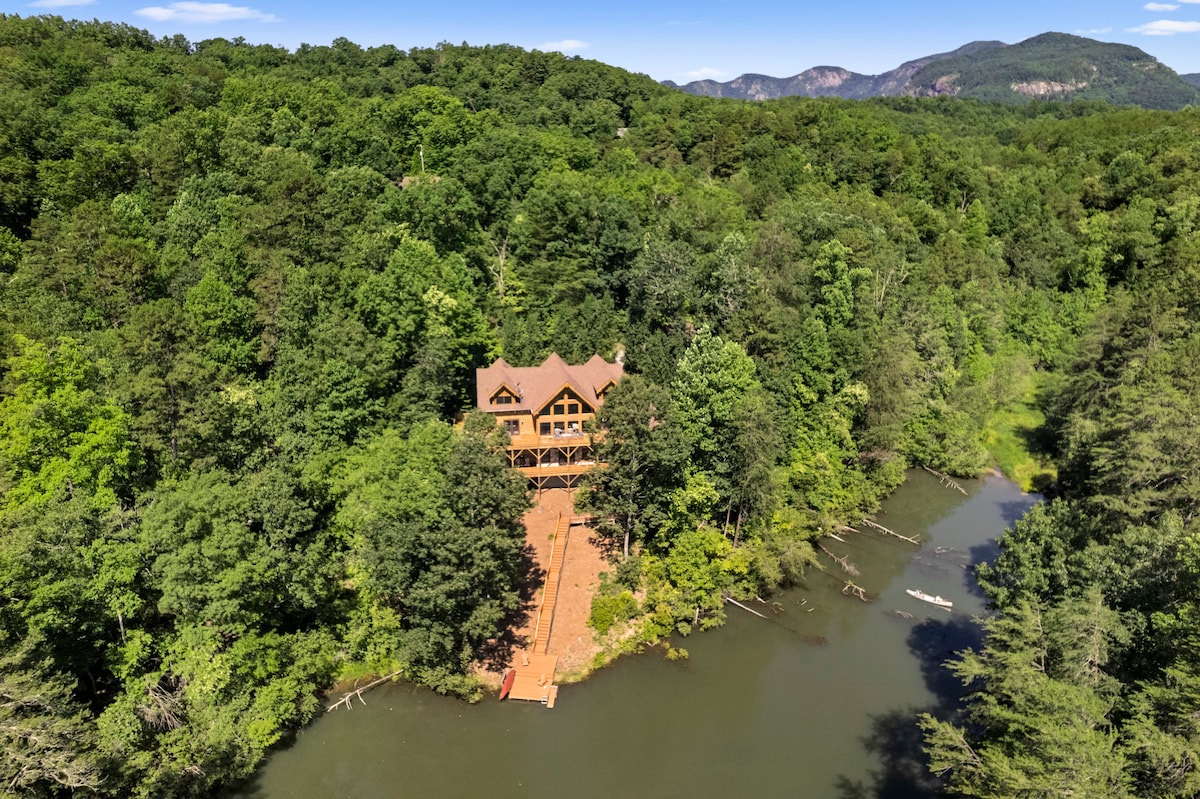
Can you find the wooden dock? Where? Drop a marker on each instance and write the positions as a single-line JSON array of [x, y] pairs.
[[535, 679]]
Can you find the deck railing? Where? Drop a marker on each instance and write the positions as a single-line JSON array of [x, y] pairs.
[[564, 438]]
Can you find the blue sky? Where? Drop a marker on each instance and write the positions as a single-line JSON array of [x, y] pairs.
[[675, 40]]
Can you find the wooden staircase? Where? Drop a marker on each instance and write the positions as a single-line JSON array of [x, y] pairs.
[[541, 636]]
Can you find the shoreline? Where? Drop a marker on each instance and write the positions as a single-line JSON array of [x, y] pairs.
[[586, 655]]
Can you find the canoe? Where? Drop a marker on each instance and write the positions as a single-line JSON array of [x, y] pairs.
[[506, 683], [933, 600]]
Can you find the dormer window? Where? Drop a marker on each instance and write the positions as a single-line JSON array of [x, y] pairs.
[[505, 395]]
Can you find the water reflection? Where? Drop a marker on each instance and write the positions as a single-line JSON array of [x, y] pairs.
[[901, 771]]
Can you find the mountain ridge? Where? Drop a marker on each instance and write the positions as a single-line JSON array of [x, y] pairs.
[[1055, 66], [826, 80]]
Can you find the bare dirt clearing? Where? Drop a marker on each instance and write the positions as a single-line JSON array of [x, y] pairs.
[[570, 637]]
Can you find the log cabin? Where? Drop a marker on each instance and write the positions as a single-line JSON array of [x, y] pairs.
[[545, 410]]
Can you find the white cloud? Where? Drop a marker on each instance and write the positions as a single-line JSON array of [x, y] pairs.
[[1160, 6], [204, 12], [565, 46], [1166, 27], [60, 3], [703, 73]]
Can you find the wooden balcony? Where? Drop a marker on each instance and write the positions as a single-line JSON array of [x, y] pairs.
[[553, 461], [538, 442], [556, 470]]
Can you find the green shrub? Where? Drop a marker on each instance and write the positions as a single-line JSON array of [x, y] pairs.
[[611, 609]]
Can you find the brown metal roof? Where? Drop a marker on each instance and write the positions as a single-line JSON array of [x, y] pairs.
[[537, 385]]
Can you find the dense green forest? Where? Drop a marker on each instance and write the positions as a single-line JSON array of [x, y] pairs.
[[245, 289]]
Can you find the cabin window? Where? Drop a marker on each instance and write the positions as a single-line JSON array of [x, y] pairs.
[[558, 409], [559, 428], [573, 407], [513, 426], [502, 399], [544, 429]]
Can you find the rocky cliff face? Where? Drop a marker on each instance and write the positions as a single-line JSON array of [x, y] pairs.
[[1047, 88], [815, 82], [826, 81], [1052, 66], [1057, 66]]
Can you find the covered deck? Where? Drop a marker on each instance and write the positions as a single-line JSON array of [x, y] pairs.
[[552, 461]]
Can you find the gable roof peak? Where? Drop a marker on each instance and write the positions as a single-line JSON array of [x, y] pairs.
[[536, 385]]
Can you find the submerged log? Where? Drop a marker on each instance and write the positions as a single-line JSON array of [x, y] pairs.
[[348, 699], [855, 590], [733, 601], [848, 567], [946, 481], [840, 528], [882, 529]]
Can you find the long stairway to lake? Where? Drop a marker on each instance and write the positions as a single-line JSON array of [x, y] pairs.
[[541, 636]]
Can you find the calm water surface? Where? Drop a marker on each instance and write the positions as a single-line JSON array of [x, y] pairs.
[[819, 702]]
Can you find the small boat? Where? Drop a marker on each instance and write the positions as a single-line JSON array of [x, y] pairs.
[[506, 683], [933, 600]]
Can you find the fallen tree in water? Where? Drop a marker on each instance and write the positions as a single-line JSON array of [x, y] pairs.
[[348, 698]]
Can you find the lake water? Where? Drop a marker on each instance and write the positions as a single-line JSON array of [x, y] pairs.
[[818, 702]]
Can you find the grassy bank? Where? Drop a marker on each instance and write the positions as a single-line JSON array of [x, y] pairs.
[[1014, 437]]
